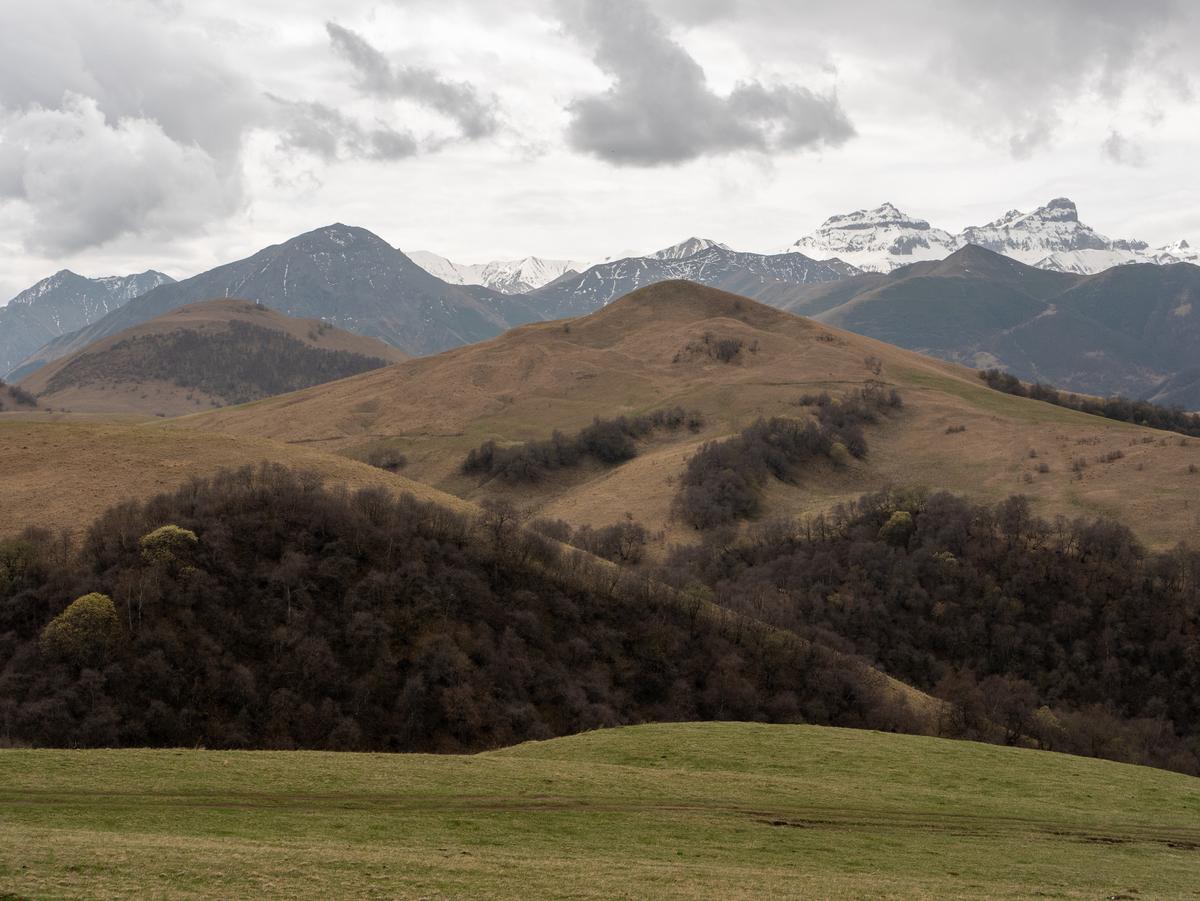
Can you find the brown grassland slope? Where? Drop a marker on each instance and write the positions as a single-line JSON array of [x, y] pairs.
[[640, 353], [131, 371], [63, 474]]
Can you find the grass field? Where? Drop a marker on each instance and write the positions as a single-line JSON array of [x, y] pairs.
[[694, 810]]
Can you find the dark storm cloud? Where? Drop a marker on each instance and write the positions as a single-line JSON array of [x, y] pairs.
[[458, 101], [660, 109]]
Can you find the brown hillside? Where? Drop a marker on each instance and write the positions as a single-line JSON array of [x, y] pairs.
[[62, 475], [633, 356], [204, 355]]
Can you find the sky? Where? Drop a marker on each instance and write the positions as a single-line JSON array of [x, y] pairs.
[[180, 134]]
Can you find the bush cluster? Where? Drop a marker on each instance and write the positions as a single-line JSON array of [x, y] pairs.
[[724, 479], [608, 441]]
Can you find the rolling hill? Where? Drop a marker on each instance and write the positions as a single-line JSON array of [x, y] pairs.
[[347, 276], [204, 355], [64, 474], [718, 810], [639, 354]]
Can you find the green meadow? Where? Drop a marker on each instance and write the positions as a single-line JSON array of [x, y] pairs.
[[717, 810]]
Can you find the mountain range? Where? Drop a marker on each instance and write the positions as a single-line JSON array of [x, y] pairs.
[[61, 304], [877, 240], [981, 303], [1132, 330]]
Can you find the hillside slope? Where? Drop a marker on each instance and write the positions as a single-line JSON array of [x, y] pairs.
[[1125, 330], [62, 475], [715, 811], [647, 352], [205, 355]]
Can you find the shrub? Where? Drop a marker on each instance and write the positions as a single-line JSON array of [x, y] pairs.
[[723, 479], [609, 441], [388, 459], [86, 632], [165, 545]]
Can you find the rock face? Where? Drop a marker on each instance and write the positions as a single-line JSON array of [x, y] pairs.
[[63, 303], [347, 276], [878, 240]]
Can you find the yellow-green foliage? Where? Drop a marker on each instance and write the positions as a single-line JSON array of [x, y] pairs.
[[897, 529], [15, 557], [86, 631], [165, 544]]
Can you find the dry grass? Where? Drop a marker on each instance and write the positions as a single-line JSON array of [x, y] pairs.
[[63, 474], [559, 375]]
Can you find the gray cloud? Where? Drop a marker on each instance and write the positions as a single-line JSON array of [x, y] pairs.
[[1006, 71], [323, 131], [1122, 150], [458, 101], [85, 181], [660, 109], [113, 122]]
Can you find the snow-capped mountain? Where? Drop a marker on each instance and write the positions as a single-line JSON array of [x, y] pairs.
[[1053, 230], [63, 303], [505, 276], [877, 240], [1051, 237], [771, 278], [1179, 252], [685, 249]]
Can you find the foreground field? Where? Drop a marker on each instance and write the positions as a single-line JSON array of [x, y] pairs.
[[694, 810]]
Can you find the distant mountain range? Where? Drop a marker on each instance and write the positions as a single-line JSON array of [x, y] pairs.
[[1131, 330], [877, 240], [1051, 237], [347, 276], [972, 297], [62, 303]]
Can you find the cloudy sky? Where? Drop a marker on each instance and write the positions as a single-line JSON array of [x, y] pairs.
[[177, 134]]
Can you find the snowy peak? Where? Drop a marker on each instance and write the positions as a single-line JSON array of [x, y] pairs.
[[505, 276], [1046, 234], [877, 240], [686, 248]]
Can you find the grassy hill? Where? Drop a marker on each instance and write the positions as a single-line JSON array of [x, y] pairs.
[[719, 810], [638, 355], [205, 355], [64, 474]]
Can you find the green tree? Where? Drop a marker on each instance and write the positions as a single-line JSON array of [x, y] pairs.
[[167, 545], [86, 632]]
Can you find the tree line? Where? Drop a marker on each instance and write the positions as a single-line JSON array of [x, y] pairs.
[[1122, 409], [1068, 634]]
